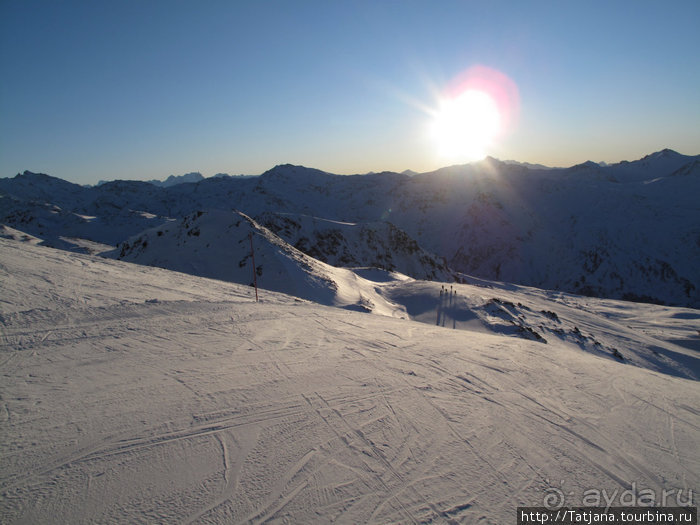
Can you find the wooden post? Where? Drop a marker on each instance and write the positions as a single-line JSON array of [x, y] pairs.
[[255, 273]]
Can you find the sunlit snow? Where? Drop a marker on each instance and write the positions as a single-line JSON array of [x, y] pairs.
[[137, 394]]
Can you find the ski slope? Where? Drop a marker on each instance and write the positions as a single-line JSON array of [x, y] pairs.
[[133, 394]]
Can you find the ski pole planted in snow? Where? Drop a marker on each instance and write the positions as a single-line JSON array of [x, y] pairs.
[[255, 276]]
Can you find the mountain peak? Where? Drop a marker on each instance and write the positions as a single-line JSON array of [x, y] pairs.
[[292, 171], [665, 153], [42, 179], [589, 164], [37, 176], [173, 180], [491, 161]]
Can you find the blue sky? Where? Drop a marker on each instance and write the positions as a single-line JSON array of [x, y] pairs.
[[144, 89]]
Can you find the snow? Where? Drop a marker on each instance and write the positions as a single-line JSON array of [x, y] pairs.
[[135, 394], [626, 231], [217, 244], [374, 244], [11, 233]]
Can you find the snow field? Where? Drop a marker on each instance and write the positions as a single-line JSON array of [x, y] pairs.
[[136, 394]]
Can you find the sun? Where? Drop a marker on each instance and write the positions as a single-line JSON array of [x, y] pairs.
[[465, 125], [472, 113]]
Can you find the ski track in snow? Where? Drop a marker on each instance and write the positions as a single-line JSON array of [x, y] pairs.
[[138, 395]]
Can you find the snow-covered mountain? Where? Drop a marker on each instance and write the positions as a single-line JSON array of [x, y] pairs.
[[374, 244], [69, 229], [629, 230], [217, 244], [133, 394]]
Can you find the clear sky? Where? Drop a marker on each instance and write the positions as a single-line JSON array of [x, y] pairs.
[[144, 89]]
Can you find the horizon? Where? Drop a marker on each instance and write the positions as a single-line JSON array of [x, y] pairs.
[[138, 91], [527, 165]]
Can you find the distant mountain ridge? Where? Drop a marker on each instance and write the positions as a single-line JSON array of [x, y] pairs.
[[172, 180], [629, 230]]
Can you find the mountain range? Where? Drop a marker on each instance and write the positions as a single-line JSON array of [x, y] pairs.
[[629, 230], [145, 380]]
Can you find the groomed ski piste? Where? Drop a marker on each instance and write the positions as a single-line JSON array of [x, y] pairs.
[[134, 394]]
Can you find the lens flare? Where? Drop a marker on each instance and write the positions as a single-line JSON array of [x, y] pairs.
[[477, 108]]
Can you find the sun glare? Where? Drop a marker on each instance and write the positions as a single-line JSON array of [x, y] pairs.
[[474, 111], [464, 126]]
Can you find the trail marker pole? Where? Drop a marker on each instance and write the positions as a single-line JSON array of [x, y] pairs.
[[255, 273]]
